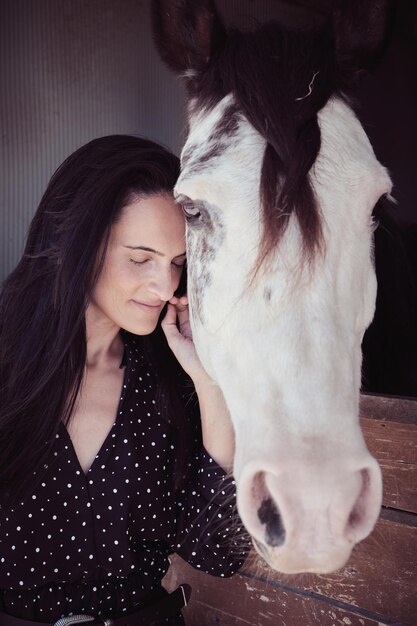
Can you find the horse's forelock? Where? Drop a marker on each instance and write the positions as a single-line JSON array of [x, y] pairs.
[[279, 81]]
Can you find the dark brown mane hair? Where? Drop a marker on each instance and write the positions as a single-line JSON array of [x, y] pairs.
[[280, 80]]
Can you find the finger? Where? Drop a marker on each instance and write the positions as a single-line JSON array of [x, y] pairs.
[[184, 300], [179, 303], [169, 322], [184, 324], [183, 315]]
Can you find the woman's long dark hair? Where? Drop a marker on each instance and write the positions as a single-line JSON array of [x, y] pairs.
[[43, 301]]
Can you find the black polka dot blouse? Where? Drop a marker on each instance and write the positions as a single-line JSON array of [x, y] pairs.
[[99, 542]]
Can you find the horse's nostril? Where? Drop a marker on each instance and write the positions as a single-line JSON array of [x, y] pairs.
[[358, 515], [269, 515]]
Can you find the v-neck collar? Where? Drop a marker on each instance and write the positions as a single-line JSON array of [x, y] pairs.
[[105, 444]]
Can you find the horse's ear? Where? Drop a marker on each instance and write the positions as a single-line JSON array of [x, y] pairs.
[[186, 33], [361, 29]]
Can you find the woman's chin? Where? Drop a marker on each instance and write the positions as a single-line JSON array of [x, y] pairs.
[[142, 328]]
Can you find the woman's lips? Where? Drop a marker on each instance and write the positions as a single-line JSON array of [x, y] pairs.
[[147, 307]]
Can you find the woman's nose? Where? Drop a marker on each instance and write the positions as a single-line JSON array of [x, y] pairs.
[[163, 284]]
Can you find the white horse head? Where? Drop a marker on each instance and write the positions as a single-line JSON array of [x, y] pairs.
[[278, 185]]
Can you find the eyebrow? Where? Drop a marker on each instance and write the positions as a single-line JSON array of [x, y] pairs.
[[146, 249]]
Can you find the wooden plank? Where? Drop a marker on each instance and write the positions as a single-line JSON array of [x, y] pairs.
[[402, 517], [394, 445], [389, 408], [380, 577], [242, 601], [378, 583], [319, 6], [400, 486]]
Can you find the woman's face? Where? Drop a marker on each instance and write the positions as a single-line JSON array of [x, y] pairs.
[[142, 267]]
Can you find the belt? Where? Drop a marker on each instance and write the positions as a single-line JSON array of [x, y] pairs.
[[168, 606]]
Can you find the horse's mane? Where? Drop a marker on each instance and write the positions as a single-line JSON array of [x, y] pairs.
[[279, 80]]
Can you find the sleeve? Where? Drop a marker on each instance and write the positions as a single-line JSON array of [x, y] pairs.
[[210, 535]]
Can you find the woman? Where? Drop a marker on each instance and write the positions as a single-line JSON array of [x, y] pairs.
[[92, 505]]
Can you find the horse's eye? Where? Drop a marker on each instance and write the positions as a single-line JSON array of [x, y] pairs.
[[381, 208], [191, 211]]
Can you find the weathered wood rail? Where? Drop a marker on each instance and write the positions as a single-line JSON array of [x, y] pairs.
[[379, 584]]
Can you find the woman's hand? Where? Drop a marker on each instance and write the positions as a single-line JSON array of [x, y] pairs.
[[217, 429], [181, 340]]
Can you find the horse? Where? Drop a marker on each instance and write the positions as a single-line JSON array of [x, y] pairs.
[[278, 184]]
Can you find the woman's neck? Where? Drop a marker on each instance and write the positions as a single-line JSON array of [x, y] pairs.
[[104, 342]]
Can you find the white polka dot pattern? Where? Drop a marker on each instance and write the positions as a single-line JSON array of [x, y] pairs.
[[98, 543]]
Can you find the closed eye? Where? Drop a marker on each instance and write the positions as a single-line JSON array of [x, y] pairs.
[[180, 265]]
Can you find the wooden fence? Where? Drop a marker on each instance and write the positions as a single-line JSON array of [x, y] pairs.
[[377, 587]]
